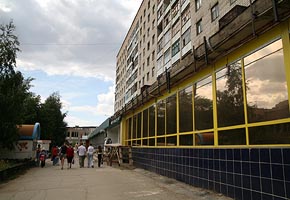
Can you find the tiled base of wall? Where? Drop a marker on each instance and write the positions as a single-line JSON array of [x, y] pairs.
[[249, 174]]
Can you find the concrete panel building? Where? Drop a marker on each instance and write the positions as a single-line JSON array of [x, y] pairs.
[[214, 111]]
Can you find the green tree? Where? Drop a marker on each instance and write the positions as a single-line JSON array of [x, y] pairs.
[[52, 120], [13, 87], [32, 106]]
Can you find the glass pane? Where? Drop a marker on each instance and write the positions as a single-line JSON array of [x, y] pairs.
[[171, 114], [161, 117], [185, 110], [229, 94], [161, 141], [232, 137], [271, 134], [145, 123], [134, 133], [152, 121], [203, 112], [145, 142], [152, 142], [204, 139], [134, 143], [171, 141], [129, 127], [186, 140], [139, 126], [267, 97]]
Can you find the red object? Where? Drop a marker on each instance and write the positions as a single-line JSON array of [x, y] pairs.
[[69, 152], [42, 157], [54, 151]]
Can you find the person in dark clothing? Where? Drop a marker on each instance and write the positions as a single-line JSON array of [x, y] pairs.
[[69, 155], [100, 156], [42, 158], [63, 154]]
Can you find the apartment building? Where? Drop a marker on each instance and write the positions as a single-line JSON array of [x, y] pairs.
[[216, 114], [77, 134]]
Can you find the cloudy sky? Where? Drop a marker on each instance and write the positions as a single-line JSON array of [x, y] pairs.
[[70, 47]]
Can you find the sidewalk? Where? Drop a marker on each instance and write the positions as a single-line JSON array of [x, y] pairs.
[[105, 183]]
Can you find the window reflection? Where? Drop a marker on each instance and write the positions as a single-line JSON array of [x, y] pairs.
[[129, 128], [139, 125], [271, 134], [232, 137], [134, 132], [204, 139], [267, 97], [203, 112], [152, 121], [229, 94], [145, 123], [186, 140], [171, 141], [171, 114], [161, 141], [185, 110], [161, 117]]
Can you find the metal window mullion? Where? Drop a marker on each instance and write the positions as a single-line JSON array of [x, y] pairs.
[[215, 123]]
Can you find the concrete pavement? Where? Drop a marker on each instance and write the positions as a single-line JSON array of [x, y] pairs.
[[105, 183]]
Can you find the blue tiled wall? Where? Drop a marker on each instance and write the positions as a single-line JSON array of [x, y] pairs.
[[238, 173]]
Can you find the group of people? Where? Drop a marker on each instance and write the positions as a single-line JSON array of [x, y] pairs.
[[90, 151], [66, 151]]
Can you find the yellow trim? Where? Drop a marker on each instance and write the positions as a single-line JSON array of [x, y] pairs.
[[280, 31]]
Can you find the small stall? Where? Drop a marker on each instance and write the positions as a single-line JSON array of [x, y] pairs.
[[118, 153]]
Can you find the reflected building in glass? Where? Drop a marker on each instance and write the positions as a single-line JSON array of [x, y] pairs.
[[216, 112]]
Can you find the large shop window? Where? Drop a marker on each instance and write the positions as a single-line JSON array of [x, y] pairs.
[[151, 122], [185, 110], [267, 97], [161, 117], [139, 125], [271, 134], [145, 123], [186, 140], [232, 137], [129, 126], [229, 94], [134, 133], [171, 114], [203, 105]]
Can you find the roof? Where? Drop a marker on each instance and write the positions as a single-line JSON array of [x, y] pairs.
[[100, 129]]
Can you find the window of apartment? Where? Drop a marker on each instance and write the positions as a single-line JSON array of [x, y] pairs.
[[140, 31], [140, 19], [166, 20], [153, 39], [175, 28], [160, 63], [148, 60], [148, 46], [175, 9], [143, 52], [159, 13], [143, 66], [160, 45], [143, 38], [186, 38], [148, 18], [148, 31], [175, 48], [215, 12], [144, 12], [153, 55], [143, 80], [153, 24], [185, 16], [152, 71], [197, 4], [148, 4], [144, 25], [167, 37], [198, 27], [139, 84], [147, 76], [167, 56], [153, 9]]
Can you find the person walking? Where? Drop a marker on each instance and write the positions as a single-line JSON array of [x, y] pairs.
[[90, 156], [54, 155], [82, 154], [100, 155], [63, 149], [42, 157], [69, 155], [38, 151]]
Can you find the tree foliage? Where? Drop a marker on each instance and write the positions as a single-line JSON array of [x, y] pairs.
[[52, 120], [20, 106]]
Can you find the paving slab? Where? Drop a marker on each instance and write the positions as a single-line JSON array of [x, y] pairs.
[[108, 183]]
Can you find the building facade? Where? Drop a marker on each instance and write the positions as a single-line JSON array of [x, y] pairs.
[[217, 115], [77, 134]]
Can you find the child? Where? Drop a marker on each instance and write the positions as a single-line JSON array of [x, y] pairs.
[[42, 157]]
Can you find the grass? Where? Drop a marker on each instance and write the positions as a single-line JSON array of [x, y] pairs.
[[5, 164]]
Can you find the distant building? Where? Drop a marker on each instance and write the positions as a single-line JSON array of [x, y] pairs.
[[76, 134], [202, 90]]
